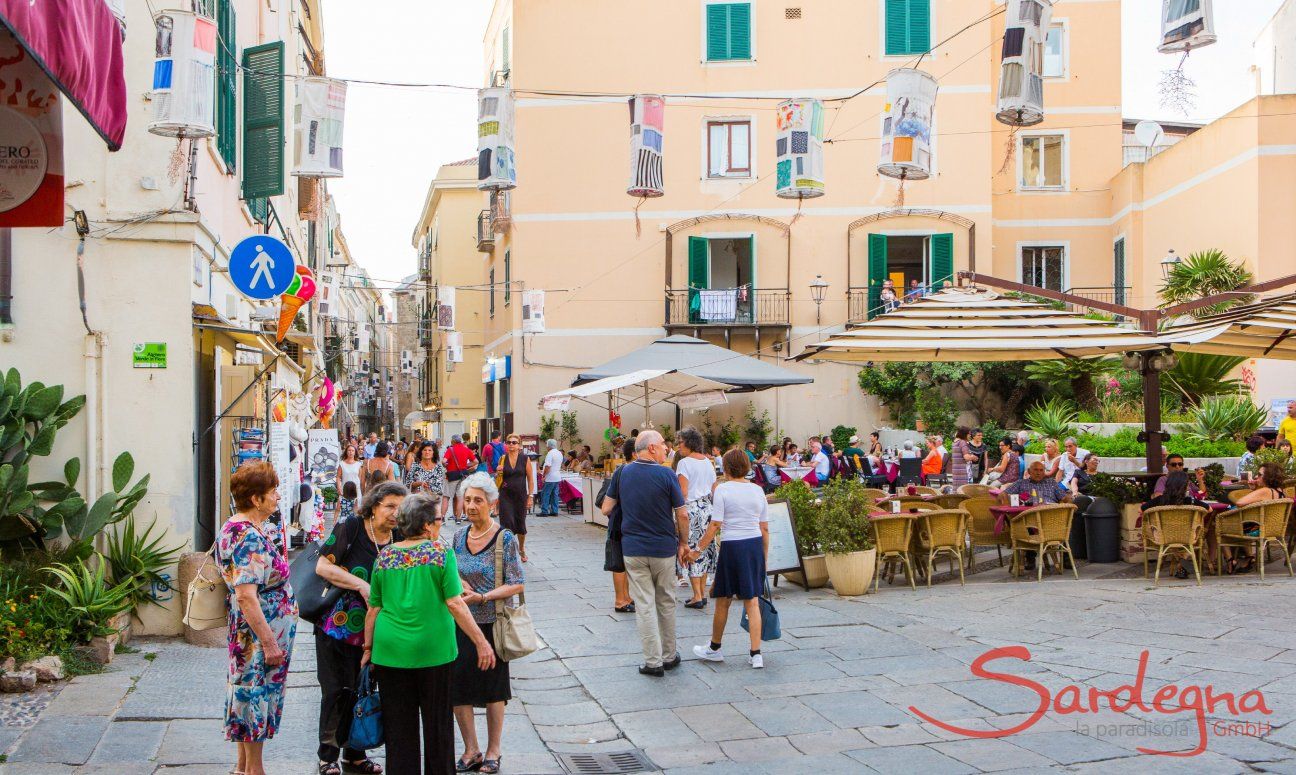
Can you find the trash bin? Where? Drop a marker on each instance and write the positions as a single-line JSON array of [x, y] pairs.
[[1079, 546], [1102, 531]]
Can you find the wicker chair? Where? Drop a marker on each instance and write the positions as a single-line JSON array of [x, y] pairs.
[[951, 501], [974, 490], [921, 490], [874, 493], [1173, 527], [1052, 526], [1272, 516], [1236, 495], [892, 535], [942, 532], [981, 526]]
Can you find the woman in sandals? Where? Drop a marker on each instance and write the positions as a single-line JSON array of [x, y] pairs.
[[697, 475], [481, 549]]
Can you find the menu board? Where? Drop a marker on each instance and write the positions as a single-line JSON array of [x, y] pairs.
[[783, 555], [279, 458]]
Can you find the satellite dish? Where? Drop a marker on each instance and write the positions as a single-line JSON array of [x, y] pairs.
[[1148, 132]]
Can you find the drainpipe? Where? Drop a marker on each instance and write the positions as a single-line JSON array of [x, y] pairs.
[[6, 277], [94, 387]]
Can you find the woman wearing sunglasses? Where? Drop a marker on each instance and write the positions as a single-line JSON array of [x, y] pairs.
[[516, 490]]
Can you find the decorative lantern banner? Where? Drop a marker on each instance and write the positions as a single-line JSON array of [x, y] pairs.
[[31, 169], [321, 105], [454, 347], [329, 298], [647, 119], [184, 75], [906, 131], [446, 307], [1186, 25], [799, 150], [495, 163], [1021, 77], [533, 319]]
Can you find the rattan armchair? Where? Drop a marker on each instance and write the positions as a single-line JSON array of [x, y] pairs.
[[981, 526], [1052, 532], [974, 490], [1166, 528], [874, 493], [919, 489], [950, 501], [892, 535], [1236, 495], [942, 532], [1271, 516]]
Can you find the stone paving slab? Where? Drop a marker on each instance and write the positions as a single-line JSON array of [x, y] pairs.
[[129, 741], [61, 739]]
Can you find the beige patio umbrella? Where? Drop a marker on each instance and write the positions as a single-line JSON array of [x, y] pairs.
[[969, 324], [1262, 329]]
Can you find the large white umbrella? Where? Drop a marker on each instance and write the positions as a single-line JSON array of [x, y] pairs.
[[646, 387], [1262, 329]]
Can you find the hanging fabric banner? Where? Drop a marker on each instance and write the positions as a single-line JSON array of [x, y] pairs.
[[184, 75], [907, 128], [321, 106], [533, 319], [446, 307], [647, 120], [363, 345], [328, 299], [1021, 77], [496, 170], [799, 165]]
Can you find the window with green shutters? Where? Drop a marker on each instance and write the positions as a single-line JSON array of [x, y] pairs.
[[226, 85], [908, 27], [877, 272], [942, 261], [263, 120], [728, 32]]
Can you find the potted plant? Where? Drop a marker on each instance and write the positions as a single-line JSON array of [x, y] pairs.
[[805, 518], [845, 537], [93, 605]]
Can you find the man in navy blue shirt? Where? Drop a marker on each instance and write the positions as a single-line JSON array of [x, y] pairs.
[[654, 534]]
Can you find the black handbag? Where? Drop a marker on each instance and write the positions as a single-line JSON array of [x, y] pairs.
[[315, 596]]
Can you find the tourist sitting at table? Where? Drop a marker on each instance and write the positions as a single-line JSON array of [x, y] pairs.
[[934, 462], [753, 454], [828, 447], [1073, 460], [875, 446], [976, 455], [1247, 461], [1083, 477], [1035, 489], [716, 457], [1175, 462], [1175, 493], [1268, 488], [792, 455], [1009, 468], [854, 454], [1285, 447], [819, 461], [1052, 458], [907, 450]]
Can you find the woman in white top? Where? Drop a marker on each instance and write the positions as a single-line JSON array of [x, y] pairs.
[[697, 477], [741, 509], [1052, 459], [349, 468]]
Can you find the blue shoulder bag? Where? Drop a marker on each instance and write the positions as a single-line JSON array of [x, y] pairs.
[[366, 726], [770, 628]]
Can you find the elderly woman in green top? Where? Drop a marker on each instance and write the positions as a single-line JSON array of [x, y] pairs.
[[415, 601]]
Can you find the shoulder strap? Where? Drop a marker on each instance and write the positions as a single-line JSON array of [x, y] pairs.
[[499, 573]]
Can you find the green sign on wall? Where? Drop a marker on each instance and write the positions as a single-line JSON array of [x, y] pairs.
[[149, 355]]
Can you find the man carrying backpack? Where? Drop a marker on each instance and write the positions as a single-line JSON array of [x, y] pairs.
[[459, 463]]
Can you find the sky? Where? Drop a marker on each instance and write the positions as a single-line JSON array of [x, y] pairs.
[[396, 138]]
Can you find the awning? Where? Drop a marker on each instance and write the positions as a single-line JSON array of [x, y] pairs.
[[78, 43], [698, 358], [416, 418], [1262, 329], [657, 385], [977, 325]]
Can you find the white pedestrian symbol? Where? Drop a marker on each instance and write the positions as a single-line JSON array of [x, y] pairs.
[[263, 263]]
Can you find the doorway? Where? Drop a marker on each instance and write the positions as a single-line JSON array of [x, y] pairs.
[[902, 259], [721, 279]]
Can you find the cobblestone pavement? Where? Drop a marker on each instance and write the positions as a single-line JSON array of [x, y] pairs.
[[835, 696]]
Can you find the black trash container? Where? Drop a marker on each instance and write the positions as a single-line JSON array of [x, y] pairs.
[[1102, 531], [1079, 546]]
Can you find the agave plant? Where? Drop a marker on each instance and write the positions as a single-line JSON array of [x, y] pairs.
[[92, 601], [1079, 376], [1203, 274], [1197, 375], [1053, 419], [138, 559], [1233, 417]]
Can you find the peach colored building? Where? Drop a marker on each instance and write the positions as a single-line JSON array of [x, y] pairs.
[[1049, 205]]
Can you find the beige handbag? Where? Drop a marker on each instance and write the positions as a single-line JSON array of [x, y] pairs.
[[207, 601], [515, 635]]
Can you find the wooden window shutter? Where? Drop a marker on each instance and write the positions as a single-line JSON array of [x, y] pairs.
[[897, 28], [740, 31], [227, 84], [919, 26], [1118, 271], [263, 120], [717, 32], [877, 271], [699, 261], [942, 261]]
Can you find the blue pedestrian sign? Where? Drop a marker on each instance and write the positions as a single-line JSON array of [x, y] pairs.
[[262, 267]]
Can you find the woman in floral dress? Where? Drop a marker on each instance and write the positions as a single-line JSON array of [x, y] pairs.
[[427, 474], [262, 614]]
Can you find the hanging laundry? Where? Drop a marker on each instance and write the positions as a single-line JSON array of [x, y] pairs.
[[718, 306]]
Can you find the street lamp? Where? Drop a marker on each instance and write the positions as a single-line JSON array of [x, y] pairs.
[[1168, 264], [818, 287]]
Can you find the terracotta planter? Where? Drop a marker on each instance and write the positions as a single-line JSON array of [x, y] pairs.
[[816, 569], [852, 573]]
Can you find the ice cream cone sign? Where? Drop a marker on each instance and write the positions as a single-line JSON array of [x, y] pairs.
[[300, 291]]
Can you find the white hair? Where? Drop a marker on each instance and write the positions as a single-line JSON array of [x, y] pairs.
[[481, 481], [646, 438], [908, 443], [552, 444]]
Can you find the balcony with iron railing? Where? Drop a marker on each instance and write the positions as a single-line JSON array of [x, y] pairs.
[[485, 231], [727, 308]]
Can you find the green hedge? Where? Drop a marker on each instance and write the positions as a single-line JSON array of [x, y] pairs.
[[1125, 443]]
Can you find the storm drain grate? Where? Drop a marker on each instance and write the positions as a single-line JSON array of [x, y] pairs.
[[633, 760]]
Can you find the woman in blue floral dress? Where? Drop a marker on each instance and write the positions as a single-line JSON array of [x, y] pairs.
[[262, 614]]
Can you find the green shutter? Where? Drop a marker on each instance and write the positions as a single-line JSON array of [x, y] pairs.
[[942, 261], [263, 120], [908, 27], [877, 271], [1118, 271], [698, 274], [227, 85], [728, 31], [508, 277], [919, 26]]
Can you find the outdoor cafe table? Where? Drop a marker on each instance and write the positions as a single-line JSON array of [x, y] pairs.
[[569, 488], [804, 473], [1003, 514]]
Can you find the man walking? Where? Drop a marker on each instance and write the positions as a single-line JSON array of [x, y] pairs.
[[654, 534], [493, 452], [371, 447], [459, 463], [552, 471]]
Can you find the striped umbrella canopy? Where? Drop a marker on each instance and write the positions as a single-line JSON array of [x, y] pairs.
[[970, 324], [1262, 329]]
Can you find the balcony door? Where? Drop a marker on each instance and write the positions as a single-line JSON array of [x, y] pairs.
[[902, 259], [721, 279]]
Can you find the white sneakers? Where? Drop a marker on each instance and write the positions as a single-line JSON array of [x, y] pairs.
[[757, 661]]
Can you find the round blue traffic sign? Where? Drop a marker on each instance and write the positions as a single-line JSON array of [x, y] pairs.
[[261, 267]]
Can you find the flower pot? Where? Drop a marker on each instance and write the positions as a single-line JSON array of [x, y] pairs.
[[815, 569], [852, 573]]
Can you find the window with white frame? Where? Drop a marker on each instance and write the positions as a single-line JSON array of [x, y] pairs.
[[1043, 161], [1044, 266], [1055, 52], [729, 148]]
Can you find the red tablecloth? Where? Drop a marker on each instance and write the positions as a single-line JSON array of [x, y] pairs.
[[568, 492], [1003, 513], [810, 478]]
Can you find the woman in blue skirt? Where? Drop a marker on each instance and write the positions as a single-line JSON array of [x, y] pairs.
[[739, 507]]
